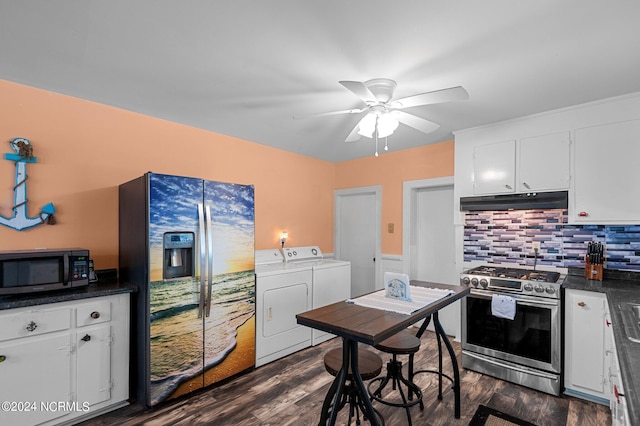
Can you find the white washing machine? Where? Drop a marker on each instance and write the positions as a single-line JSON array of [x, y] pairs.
[[282, 291], [331, 280]]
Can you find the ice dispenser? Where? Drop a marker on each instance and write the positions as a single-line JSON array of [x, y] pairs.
[[178, 255]]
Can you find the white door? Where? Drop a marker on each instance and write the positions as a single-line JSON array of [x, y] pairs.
[[431, 236], [357, 235]]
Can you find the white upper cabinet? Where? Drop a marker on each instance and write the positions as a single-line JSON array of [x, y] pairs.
[[494, 168], [544, 162], [539, 163], [606, 169]]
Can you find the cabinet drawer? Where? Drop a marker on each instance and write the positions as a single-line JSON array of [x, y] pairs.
[[93, 313], [33, 323]]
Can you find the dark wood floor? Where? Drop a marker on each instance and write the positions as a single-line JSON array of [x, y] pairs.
[[290, 392]]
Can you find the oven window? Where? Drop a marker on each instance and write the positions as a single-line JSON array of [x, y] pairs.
[[528, 335]]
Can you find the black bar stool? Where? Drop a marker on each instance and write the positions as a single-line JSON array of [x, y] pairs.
[[405, 343], [369, 365], [402, 343]]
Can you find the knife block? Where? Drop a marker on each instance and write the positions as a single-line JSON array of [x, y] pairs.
[[592, 271]]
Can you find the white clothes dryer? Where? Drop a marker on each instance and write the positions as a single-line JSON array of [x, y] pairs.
[[282, 291]]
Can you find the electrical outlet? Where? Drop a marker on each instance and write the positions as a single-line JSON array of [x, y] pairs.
[[535, 245]]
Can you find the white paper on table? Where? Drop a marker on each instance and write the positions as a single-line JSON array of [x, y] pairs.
[[420, 297]]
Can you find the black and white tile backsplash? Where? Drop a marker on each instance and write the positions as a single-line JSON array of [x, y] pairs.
[[507, 237]]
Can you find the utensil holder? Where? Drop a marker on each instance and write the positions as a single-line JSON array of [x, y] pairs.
[[593, 271]]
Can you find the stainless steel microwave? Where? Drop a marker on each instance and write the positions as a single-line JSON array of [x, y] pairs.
[[32, 271]]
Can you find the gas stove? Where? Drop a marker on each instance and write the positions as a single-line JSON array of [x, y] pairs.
[[514, 280]]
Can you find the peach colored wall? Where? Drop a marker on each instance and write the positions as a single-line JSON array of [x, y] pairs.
[[85, 150], [390, 170]]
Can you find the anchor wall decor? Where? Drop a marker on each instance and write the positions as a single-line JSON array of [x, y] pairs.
[[19, 221]]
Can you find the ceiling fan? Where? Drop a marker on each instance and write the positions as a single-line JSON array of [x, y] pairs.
[[383, 113]]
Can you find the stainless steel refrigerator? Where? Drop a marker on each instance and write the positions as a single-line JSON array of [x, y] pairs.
[[188, 244]]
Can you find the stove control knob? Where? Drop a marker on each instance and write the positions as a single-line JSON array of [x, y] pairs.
[[538, 288], [474, 282], [550, 290], [484, 283], [528, 287], [466, 281]]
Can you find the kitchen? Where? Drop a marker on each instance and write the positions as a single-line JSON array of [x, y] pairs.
[[87, 149]]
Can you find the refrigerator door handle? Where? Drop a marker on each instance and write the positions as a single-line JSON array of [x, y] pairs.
[[203, 259], [210, 260]]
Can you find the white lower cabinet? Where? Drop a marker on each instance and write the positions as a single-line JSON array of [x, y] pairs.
[[64, 362], [586, 340], [617, 401]]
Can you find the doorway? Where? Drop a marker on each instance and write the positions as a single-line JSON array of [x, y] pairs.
[[357, 235], [429, 239]]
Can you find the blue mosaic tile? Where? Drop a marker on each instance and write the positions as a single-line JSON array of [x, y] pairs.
[[507, 236]]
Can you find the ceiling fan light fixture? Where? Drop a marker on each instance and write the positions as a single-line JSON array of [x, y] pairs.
[[387, 124], [367, 125]]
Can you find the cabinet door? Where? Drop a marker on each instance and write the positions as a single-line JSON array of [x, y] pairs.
[[93, 364], [544, 162], [36, 370], [585, 343], [606, 164], [494, 168]]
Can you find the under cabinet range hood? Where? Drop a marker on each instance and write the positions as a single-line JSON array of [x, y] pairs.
[[526, 201]]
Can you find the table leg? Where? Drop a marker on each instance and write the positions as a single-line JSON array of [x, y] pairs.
[[337, 387], [362, 390], [454, 363]]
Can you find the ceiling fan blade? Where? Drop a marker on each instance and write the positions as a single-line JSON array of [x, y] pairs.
[[324, 114], [457, 93], [416, 122], [360, 90]]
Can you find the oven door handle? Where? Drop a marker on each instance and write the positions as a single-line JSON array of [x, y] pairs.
[[530, 301], [513, 367]]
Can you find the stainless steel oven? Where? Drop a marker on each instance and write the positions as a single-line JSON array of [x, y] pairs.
[[526, 349]]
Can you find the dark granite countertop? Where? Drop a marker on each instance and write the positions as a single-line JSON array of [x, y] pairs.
[[98, 289], [619, 286]]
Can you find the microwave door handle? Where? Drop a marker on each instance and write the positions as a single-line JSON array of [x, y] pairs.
[[65, 269], [210, 260], [203, 259]]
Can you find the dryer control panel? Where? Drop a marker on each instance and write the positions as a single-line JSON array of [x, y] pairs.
[[306, 253]]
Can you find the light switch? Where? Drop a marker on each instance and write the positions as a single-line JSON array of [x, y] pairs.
[[390, 228]]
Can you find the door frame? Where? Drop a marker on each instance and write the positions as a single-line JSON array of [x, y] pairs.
[[338, 194], [409, 193]]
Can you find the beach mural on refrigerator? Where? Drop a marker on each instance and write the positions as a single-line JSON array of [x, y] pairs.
[[200, 295]]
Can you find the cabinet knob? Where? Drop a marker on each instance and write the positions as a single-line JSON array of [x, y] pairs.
[[582, 304], [86, 338], [583, 214], [95, 314], [2, 358], [32, 326], [526, 185], [508, 186]]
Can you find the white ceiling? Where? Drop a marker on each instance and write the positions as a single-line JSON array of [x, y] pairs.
[[245, 67]]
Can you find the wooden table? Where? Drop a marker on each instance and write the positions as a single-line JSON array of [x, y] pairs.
[[371, 326]]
